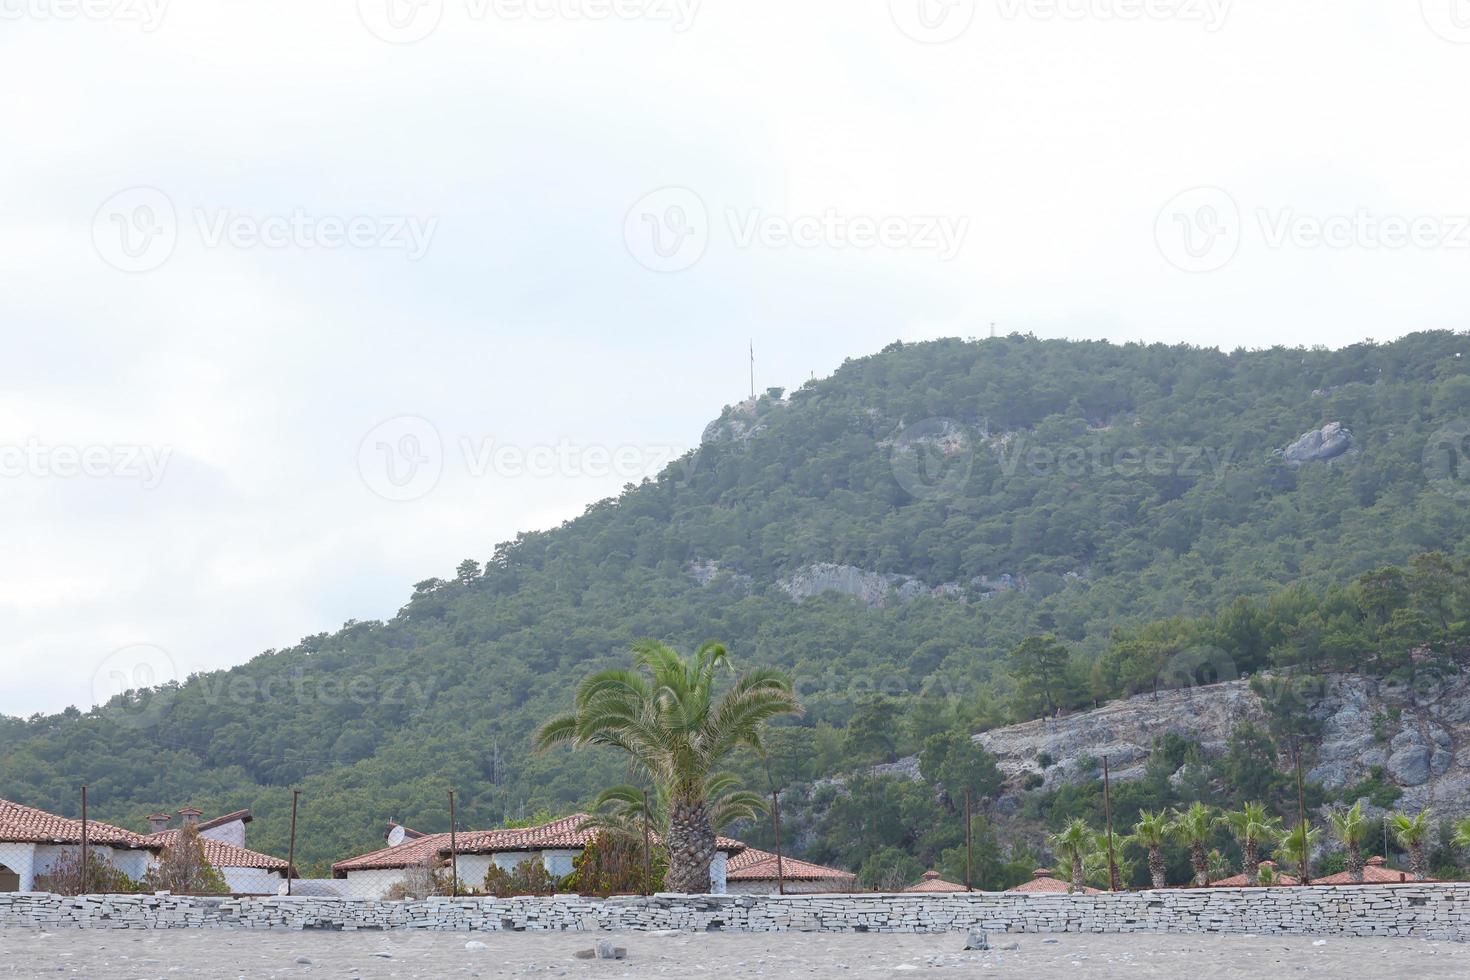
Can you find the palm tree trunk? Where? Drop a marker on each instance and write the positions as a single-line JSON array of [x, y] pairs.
[[1250, 860], [1156, 867], [1355, 863], [1416, 861], [691, 847], [1079, 878], [1201, 862]]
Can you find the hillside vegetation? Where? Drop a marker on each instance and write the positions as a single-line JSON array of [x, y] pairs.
[[899, 527]]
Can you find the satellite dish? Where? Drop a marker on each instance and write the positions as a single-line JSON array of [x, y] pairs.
[[395, 837]]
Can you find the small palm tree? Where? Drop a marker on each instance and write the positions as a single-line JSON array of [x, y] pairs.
[[1193, 828], [1251, 827], [1462, 834], [1350, 829], [1297, 845], [664, 714], [1074, 845], [1151, 833], [626, 810], [1412, 834]]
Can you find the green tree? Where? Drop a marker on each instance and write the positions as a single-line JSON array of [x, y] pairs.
[[664, 714], [1350, 829], [1251, 826], [1040, 665], [1152, 832], [872, 732], [955, 762], [1412, 833], [1297, 845], [1193, 828], [1073, 845]]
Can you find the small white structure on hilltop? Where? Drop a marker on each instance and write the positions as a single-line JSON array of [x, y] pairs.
[[31, 840], [246, 872], [556, 845]]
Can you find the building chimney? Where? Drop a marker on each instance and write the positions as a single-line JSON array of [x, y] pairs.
[[191, 816], [157, 823]]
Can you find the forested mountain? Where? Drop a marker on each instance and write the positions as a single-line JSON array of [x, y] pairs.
[[899, 527]]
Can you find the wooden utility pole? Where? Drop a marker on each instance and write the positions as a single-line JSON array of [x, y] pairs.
[[85, 851], [1108, 811], [969, 841], [291, 852], [453, 851], [647, 853], [776, 820]]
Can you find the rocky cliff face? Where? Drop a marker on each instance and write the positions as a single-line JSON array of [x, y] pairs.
[[1421, 737]]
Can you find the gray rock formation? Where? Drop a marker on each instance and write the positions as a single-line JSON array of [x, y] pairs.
[[1319, 445]]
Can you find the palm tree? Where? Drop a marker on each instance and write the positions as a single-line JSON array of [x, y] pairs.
[[1193, 827], [1350, 829], [1462, 834], [1251, 826], [664, 714], [1075, 844], [1413, 834], [1297, 845], [622, 810], [1152, 832]]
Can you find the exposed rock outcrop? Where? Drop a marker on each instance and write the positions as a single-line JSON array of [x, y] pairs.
[[1320, 445]]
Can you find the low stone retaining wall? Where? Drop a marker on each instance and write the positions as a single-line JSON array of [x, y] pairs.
[[1427, 911]]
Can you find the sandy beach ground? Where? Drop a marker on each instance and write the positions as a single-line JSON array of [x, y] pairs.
[[188, 953]]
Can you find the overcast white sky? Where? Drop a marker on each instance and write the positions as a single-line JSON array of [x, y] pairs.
[[267, 267]]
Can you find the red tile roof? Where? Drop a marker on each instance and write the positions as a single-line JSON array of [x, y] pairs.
[[756, 865], [1375, 872], [27, 825], [1241, 881], [566, 833], [222, 855], [933, 883], [1042, 883]]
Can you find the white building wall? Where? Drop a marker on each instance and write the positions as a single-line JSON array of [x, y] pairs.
[[20, 858], [472, 868], [230, 833], [252, 881], [559, 863], [371, 883]]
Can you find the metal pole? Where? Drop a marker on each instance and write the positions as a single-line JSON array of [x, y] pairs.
[[780, 867], [1301, 816], [291, 853], [1108, 810], [647, 854], [969, 841], [453, 851], [85, 849]]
